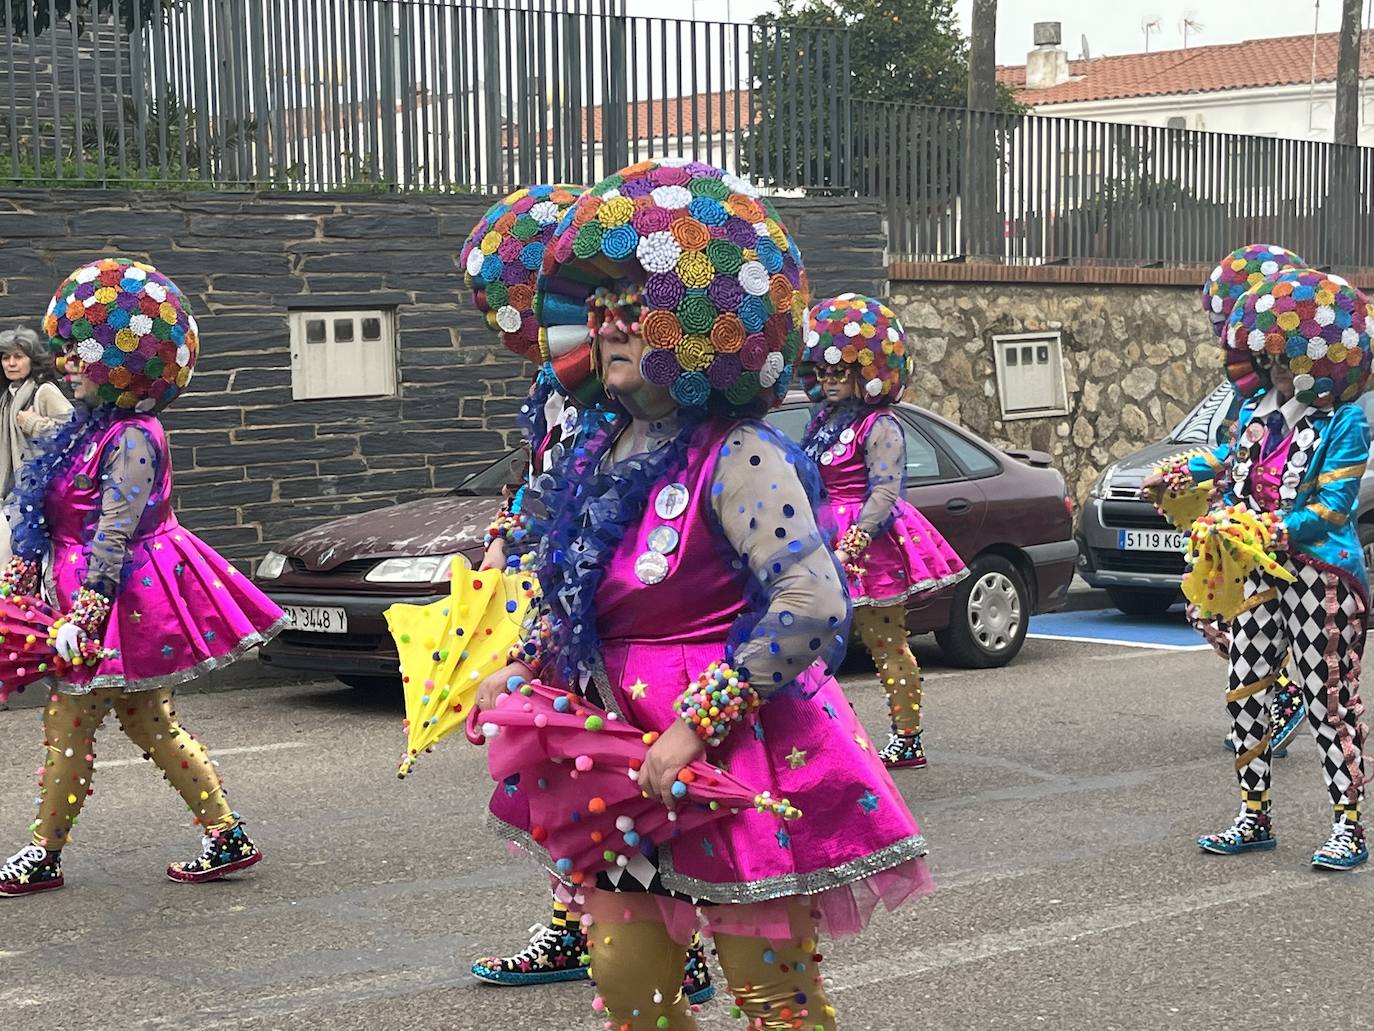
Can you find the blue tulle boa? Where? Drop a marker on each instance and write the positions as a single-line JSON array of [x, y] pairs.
[[584, 513]]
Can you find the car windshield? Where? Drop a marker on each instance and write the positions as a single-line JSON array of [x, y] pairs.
[[509, 468], [1207, 422]]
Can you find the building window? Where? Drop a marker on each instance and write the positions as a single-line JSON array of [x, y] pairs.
[[1030, 375], [343, 354]]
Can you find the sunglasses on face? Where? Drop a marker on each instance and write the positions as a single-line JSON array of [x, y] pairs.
[[832, 372]]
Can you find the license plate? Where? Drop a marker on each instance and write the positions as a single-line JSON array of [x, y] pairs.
[[1150, 540], [317, 620]]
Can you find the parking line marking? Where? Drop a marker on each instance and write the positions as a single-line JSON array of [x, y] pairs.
[[1151, 645], [279, 746]]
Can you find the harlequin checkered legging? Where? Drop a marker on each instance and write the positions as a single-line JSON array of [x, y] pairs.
[[1321, 622]]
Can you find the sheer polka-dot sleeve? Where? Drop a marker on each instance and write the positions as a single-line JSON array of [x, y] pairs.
[[127, 473], [885, 456], [801, 609]]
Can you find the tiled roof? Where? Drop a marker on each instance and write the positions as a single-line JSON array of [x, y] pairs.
[[1283, 61]]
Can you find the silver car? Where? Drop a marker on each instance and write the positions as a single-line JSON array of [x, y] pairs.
[[1127, 547]]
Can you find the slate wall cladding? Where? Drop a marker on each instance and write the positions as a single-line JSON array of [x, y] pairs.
[[252, 465]]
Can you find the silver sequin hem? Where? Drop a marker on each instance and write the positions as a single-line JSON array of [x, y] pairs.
[[99, 683], [924, 587]]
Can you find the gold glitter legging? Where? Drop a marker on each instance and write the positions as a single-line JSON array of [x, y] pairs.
[[883, 632], [776, 985], [69, 726]]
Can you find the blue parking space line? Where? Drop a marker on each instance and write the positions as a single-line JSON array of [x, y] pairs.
[[1108, 626]]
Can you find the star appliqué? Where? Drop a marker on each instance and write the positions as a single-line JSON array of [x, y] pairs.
[[784, 839], [796, 758], [830, 710], [637, 689], [869, 802]]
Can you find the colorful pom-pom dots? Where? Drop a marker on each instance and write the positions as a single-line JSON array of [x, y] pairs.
[[1242, 270], [725, 290], [1316, 324], [502, 256], [863, 334], [126, 327]]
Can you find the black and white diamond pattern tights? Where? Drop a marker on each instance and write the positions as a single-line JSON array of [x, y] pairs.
[[1294, 617]]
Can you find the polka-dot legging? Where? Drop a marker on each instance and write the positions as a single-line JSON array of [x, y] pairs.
[[69, 725], [883, 632]]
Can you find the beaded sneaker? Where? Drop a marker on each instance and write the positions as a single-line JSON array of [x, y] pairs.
[[221, 853], [32, 868], [558, 953], [554, 954], [696, 978], [1287, 713], [903, 751], [1344, 850], [1252, 832]]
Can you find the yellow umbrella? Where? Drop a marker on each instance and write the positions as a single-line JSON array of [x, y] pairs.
[[448, 647], [1223, 548]]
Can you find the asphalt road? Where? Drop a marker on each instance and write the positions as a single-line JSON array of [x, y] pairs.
[[1061, 803]]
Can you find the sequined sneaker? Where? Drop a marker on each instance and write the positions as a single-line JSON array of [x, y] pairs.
[[32, 868], [1344, 850], [221, 853], [1287, 713], [903, 751], [696, 978], [1252, 832]]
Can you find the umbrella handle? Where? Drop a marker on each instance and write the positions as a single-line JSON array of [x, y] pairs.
[[471, 728]]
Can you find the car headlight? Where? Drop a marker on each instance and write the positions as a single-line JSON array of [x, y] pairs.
[[1100, 488], [271, 566], [421, 569]]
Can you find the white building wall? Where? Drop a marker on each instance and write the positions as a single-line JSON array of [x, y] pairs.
[[1287, 112]]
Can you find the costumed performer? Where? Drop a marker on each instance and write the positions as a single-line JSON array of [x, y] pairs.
[[501, 259], [1240, 271], [93, 528], [688, 589], [857, 361], [1296, 467]]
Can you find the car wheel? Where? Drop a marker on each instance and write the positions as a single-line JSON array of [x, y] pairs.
[[988, 615], [1142, 603], [361, 682]]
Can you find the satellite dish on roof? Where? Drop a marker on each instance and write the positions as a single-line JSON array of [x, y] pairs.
[[1083, 39]]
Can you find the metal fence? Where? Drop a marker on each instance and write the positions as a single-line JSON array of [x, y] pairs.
[[1033, 189], [485, 95], [478, 95]]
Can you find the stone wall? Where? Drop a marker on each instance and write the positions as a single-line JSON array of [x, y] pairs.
[[253, 466], [1136, 359]]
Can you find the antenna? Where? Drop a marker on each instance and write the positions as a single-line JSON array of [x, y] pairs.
[[1149, 26], [1189, 24], [1084, 42]]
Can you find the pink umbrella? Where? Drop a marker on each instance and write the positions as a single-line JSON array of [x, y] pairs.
[[578, 767], [28, 634]]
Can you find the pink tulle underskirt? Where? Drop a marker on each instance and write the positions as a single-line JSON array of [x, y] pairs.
[[838, 912]]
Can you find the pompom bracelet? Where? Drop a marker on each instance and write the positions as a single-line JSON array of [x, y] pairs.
[[20, 576], [854, 543], [718, 700], [508, 527]]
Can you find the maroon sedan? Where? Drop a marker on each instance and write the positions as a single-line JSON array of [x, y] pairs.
[[1006, 514]]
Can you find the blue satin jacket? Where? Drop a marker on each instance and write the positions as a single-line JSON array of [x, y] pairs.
[[1320, 493]]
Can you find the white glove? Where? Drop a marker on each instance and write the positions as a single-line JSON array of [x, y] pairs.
[[69, 640]]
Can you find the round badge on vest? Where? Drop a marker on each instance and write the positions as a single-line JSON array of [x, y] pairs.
[[1305, 438], [1254, 433], [651, 568], [569, 420], [827, 458], [663, 540], [847, 437], [671, 501], [82, 482]]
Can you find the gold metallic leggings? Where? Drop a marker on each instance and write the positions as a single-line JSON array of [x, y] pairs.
[[776, 985], [883, 632], [69, 725]]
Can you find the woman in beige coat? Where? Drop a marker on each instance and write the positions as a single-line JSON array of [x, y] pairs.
[[32, 406]]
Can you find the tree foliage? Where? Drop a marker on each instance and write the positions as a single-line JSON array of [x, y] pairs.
[[903, 51]]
